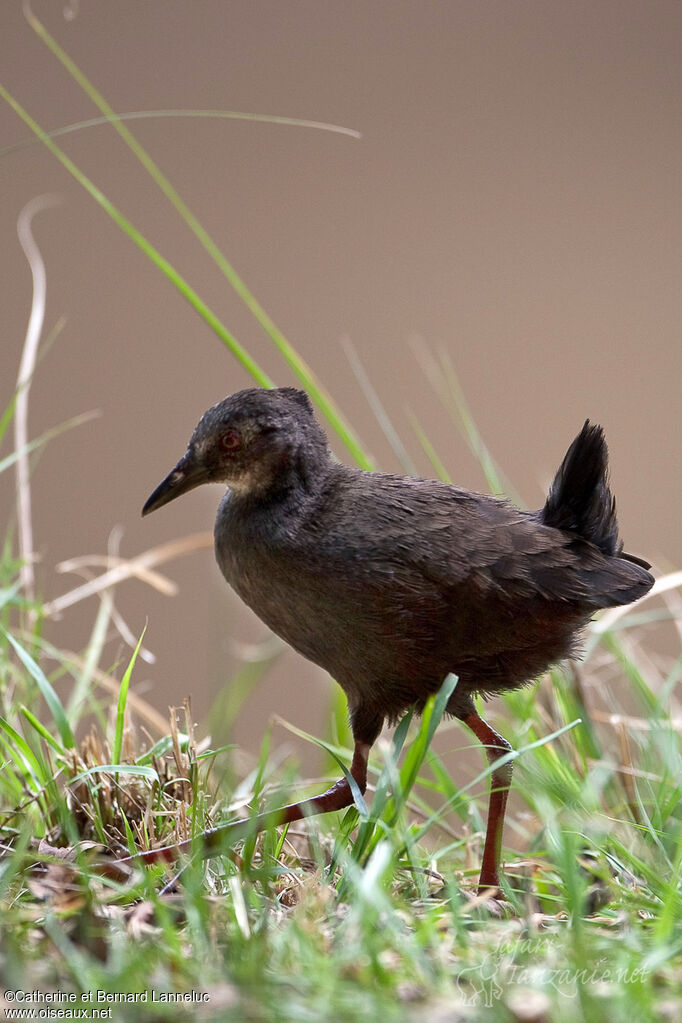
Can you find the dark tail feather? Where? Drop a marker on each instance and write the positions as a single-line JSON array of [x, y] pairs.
[[581, 502], [579, 499]]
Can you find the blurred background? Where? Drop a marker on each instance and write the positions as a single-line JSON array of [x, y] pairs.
[[513, 201]]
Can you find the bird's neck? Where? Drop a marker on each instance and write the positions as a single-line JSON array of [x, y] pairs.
[[289, 479]]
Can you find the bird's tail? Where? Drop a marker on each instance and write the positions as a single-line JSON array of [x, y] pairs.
[[580, 500]]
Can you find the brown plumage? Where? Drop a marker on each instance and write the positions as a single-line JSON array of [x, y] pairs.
[[392, 582]]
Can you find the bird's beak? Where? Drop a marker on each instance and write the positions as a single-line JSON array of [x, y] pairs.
[[186, 475]]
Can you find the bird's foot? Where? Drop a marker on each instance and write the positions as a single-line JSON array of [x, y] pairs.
[[491, 901]]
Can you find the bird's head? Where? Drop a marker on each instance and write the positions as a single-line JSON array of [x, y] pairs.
[[255, 442]]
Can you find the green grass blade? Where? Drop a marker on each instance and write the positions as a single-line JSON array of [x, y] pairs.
[[49, 695], [137, 770], [336, 754], [497, 481], [209, 753], [232, 696], [160, 748], [122, 700], [8, 415], [442, 377], [431, 718], [339, 731], [149, 250], [11, 594], [386, 809], [429, 449], [457, 799], [43, 439], [506, 759], [23, 755], [380, 414], [42, 731], [93, 652], [649, 700], [304, 373]]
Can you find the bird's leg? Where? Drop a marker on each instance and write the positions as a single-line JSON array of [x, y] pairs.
[[500, 781], [218, 839], [335, 798]]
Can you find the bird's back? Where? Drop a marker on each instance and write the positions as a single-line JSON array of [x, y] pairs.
[[391, 582]]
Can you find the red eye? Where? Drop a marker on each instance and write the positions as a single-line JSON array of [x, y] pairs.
[[231, 440]]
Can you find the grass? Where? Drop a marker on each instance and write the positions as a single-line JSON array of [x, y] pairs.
[[366, 912], [370, 911]]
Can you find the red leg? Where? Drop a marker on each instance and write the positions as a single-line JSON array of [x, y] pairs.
[[335, 798], [500, 782]]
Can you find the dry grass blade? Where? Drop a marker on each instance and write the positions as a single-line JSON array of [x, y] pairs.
[[130, 569], [182, 761], [111, 685], [28, 362], [111, 612], [638, 724], [627, 772], [154, 579], [146, 115], [673, 601], [374, 401]]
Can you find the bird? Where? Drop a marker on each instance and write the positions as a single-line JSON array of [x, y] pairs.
[[391, 583]]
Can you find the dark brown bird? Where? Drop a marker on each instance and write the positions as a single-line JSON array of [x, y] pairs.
[[392, 582]]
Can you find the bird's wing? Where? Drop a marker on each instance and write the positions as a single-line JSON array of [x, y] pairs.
[[423, 532], [400, 524]]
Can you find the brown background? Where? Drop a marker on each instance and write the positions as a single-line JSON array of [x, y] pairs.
[[515, 198]]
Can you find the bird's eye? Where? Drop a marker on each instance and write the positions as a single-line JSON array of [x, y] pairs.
[[231, 440]]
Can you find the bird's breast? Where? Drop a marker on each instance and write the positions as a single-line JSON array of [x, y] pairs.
[[262, 567]]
